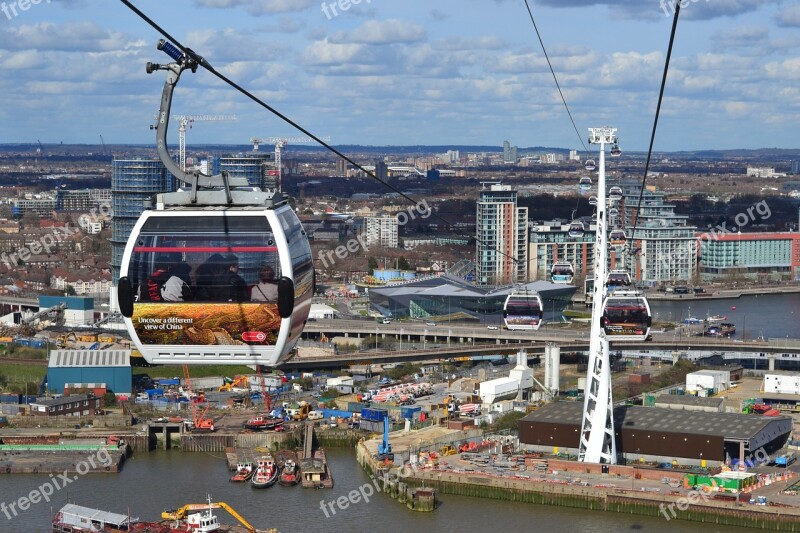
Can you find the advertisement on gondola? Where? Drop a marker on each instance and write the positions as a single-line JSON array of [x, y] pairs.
[[179, 323], [624, 329]]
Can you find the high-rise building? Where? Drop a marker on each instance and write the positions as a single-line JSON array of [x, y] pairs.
[[774, 256], [382, 170], [795, 167], [381, 231], [509, 153], [665, 243], [133, 182], [502, 237], [341, 167], [251, 167]]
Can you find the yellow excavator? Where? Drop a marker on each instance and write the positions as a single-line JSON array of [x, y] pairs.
[[180, 514], [230, 384]]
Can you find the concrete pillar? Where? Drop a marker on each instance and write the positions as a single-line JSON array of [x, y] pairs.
[[772, 359]]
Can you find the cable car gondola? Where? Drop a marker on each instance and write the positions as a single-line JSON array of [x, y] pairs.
[[593, 200], [618, 278], [615, 150], [562, 272], [617, 237], [585, 183], [523, 311], [626, 316], [590, 165], [219, 272], [577, 229], [615, 194]]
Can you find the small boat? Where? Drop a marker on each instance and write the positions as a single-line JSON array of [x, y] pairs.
[[266, 474], [733, 308], [716, 318], [244, 471], [692, 320], [290, 475], [262, 423]]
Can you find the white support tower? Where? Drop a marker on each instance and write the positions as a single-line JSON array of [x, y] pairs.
[[186, 121], [597, 429]]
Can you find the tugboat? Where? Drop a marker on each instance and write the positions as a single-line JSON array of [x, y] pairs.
[[266, 473], [244, 471], [290, 475]]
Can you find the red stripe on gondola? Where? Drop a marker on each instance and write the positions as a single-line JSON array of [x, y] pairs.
[[206, 249]]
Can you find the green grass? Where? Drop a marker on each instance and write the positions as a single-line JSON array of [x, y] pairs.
[[19, 374], [577, 314], [195, 371]]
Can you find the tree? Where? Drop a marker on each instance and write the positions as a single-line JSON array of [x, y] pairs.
[[403, 264], [372, 263], [70, 290]]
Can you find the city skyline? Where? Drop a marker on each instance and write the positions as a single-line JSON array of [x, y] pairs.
[[382, 74]]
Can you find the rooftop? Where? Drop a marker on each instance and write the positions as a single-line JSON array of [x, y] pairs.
[[730, 426], [696, 401]]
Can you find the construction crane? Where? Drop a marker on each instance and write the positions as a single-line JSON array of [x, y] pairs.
[[188, 120], [280, 143], [201, 423], [103, 143], [183, 512]]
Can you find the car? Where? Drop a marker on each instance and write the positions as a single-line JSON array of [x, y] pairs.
[[429, 323], [492, 327]]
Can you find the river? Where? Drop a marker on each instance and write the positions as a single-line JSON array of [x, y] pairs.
[[767, 315], [153, 482]]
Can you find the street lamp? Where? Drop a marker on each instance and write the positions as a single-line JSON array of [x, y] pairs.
[[401, 339], [376, 339]]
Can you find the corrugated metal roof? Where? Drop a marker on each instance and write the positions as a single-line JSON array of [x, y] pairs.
[[730, 426], [104, 517], [84, 358]]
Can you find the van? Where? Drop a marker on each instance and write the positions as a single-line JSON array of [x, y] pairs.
[[315, 415]]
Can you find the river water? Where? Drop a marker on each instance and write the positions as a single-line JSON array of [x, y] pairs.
[[767, 315], [153, 482]]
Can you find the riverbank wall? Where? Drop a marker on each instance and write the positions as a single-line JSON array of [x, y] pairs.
[[666, 506]]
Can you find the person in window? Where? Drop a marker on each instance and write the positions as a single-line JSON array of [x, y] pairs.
[[177, 288], [150, 290], [267, 288], [207, 279], [233, 283]]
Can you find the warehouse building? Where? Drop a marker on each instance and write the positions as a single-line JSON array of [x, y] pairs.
[[660, 435], [76, 367]]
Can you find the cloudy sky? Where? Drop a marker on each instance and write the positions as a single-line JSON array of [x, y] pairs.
[[409, 72]]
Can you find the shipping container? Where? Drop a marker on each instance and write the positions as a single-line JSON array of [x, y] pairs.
[[375, 415]]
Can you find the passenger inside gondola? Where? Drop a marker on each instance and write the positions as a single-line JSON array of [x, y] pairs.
[[266, 290], [207, 277], [178, 287], [234, 285]]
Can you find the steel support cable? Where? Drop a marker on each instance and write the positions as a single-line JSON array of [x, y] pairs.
[[205, 64]]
